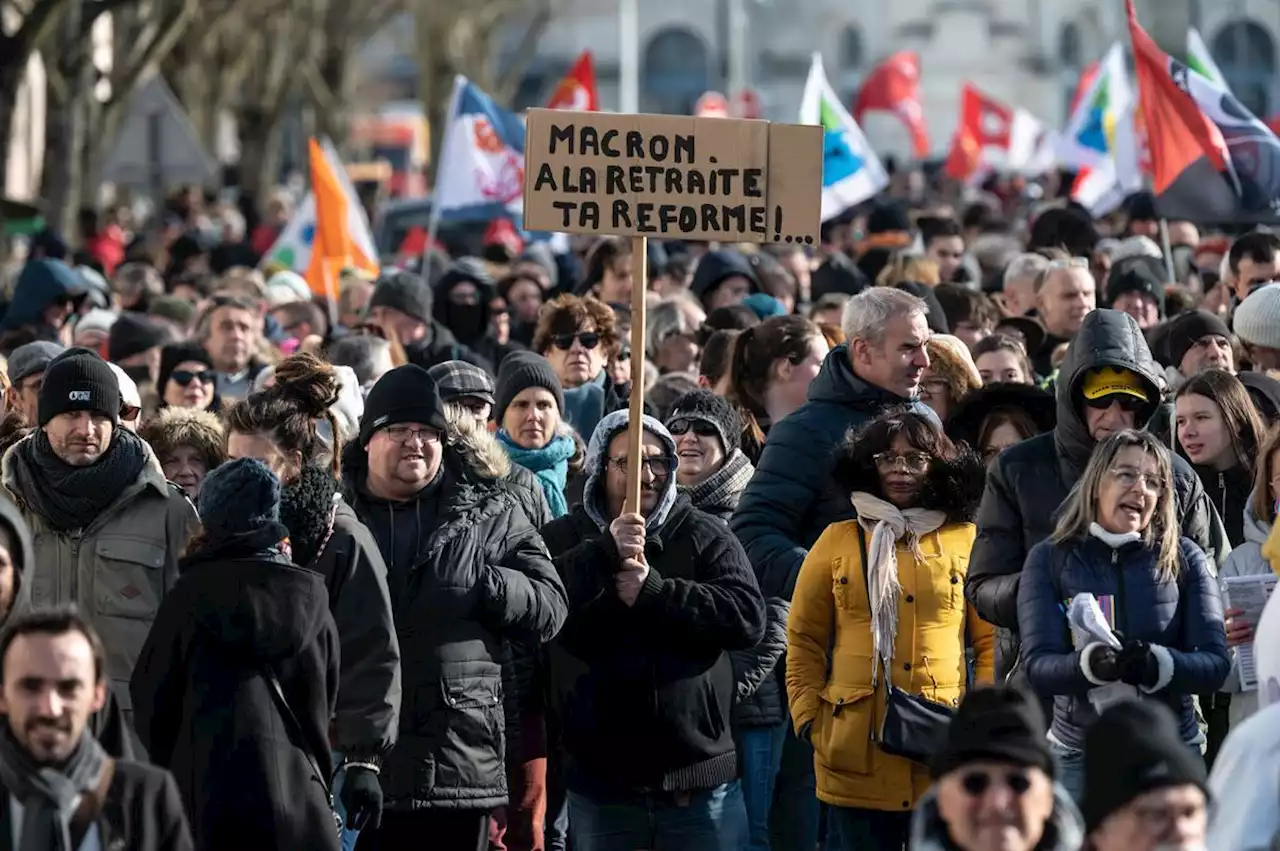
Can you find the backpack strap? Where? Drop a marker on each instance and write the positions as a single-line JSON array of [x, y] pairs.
[[91, 803]]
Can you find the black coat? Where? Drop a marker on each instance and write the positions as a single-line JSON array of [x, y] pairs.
[[1029, 482], [142, 812], [479, 575], [205, 710], [644, 692], [442, 346]]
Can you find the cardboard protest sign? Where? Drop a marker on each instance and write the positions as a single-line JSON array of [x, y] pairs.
[[672, 177]]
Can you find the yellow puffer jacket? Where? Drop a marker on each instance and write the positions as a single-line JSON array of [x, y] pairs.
[[928, 658]]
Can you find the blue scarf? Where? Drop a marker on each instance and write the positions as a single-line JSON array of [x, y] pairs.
[[550, 465]]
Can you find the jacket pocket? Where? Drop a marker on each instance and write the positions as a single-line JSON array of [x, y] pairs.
[[471, 727], [841, 733], [128, 576], [847, 585], [953, 593]]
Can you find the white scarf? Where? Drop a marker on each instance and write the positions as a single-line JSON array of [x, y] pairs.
[[887, 524]]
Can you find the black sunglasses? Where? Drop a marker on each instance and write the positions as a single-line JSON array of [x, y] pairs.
[[701, 428], [186, 376], [976, 783], [1128, 404], [564, 342]]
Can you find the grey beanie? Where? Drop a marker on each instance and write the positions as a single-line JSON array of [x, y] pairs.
[[1257, 318]]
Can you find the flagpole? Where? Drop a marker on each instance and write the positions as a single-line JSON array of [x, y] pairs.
[[433, 223], [629, 55], [1168, 251]]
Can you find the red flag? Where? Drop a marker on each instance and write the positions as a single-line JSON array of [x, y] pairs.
[[578, 88], [984, 123], [894, 86]]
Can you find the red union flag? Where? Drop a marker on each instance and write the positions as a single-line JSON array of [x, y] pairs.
[[577, 91], [894, 86]]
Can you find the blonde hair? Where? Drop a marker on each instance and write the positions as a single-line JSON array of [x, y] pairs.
[[1081, 505]]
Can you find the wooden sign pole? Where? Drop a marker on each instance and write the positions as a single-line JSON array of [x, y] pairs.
[[635, 424]]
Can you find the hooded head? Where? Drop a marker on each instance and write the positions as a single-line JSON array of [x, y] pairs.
[[17, 557], [461, 300], [606, 467]]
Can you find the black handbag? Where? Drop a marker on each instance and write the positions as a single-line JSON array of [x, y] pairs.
[[913, 725]]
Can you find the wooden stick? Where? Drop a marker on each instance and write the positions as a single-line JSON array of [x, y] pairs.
[[635, 425]]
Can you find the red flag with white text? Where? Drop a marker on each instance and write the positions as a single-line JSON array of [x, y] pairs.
[[577, 90], [894, 86]]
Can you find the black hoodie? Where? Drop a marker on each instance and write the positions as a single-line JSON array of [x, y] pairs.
[[1029, 481], [205, 710]]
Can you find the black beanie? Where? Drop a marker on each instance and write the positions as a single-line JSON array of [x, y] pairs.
[[936, 318], [520, 371], [132, 334], [1187, 328], [995, 724], [405, 292], [406, 394], [240, 497], [1136, 274], [176, 353], [707, 407], [1133, 748], [78, 380]]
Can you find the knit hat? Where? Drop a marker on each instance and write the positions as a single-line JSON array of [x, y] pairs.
[[406, 394], [520, 371], [456, 378], [31, 359], [949, 359], [134, 333], [1133, 748], [1186, 329], [238, 498], [287, 287], [888, 217], [705, 406], [996, 724], [176, 353], [96, 320], [175, 427], [765, 306], [174, 309], [78, 380], [405, 292], [1140, 274], [1257, 318]]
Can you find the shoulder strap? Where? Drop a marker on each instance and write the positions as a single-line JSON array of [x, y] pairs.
[[291, 720], [91, 804]]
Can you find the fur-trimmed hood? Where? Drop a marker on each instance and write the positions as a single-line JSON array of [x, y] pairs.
[[175, 427]]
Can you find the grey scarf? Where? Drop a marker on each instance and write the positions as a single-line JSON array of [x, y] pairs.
[[719, 493], [49, 796]]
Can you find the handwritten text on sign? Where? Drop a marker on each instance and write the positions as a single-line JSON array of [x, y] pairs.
[[672, 177]]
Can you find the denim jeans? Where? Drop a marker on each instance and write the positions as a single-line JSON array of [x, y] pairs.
[[349, 836], [793, 823], [760, 754], [1070, 769], [850, 829], [705, 820]]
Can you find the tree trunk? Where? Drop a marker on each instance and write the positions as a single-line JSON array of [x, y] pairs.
[[260, 150], [10, 82]]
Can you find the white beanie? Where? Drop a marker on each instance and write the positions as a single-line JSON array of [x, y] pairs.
[[96, 319], [1257, 318], [287, 287]]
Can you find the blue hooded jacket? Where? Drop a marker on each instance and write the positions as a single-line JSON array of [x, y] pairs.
[[41, 283]]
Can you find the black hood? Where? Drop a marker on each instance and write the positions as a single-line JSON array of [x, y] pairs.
[[257, 609], [23, 555], [467, 322], [1107, 338], [715, 266]]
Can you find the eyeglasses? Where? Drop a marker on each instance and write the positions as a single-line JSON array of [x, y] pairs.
[[1128, 404], [915, 462], [659, 465], [402, 434], [1127, 477], [564, 342], [701, 428], [935, 387], [186, 376], [976, 783]]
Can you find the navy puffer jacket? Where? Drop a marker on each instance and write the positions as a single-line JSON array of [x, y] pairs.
[[1183, 615]]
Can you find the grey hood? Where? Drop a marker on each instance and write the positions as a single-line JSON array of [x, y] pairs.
[[597, 451], [1064, 833], [1255, 530]]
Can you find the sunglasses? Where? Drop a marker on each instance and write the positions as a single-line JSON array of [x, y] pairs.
[[564, 342], [186, 376], [976, 783], [700, 427], [1128, 404]]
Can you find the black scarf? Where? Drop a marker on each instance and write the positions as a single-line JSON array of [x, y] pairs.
[[306, 509], [68, 497], [49, 795]]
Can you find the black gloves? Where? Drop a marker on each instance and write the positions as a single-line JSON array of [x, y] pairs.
[[1138, 665], [362, 797], [1104, 663]]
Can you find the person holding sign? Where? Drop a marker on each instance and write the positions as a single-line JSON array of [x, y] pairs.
[[641, 673]]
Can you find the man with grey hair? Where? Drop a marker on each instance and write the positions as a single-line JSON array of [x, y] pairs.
[[1019, 289], [787, 504], [368, 356]]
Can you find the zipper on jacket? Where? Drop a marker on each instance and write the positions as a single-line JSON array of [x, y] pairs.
[[1121, 614], [1222, 490]]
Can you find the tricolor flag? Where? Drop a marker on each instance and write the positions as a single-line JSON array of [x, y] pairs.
[[577, 90], [480, 173], [851, 171], [1211, 159], [894, 86], [329, 231]]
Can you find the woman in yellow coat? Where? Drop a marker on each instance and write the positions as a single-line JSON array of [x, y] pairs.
[[904, 612]]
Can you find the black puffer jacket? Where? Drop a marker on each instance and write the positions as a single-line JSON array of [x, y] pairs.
[[473, 574], [1029, 481]]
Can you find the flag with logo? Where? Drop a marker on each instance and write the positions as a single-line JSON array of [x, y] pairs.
[[1201, 60], [851, 171], [577, 90], [894, 86], [1100, 138], [1212, 160], [329, 231], [480, 173]]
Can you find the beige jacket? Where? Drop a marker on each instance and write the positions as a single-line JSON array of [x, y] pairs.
[[118, 568]]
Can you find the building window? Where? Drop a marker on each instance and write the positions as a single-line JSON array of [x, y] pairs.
[[1071, 61], [1246, 54], [676, 72], [851, 54]]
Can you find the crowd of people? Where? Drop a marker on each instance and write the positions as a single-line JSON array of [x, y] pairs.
[[928, 551]]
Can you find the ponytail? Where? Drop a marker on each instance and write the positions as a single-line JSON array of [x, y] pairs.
[[305, 390], [747, 382]]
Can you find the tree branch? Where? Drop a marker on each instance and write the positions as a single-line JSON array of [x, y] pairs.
[[526, 51], [36, 25], [150, 51]]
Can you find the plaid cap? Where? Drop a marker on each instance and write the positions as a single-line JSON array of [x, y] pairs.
[[456, 378]]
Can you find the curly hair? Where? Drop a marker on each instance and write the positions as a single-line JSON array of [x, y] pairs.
[[305, 390], [956, 476], [568, 314]]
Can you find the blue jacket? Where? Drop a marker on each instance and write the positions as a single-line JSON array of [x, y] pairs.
[[791, 499], [1183, 615], [40, 284]]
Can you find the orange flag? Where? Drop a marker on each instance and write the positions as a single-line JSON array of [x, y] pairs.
[[341, 233]]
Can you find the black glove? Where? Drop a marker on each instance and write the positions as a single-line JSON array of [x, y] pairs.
[[1103, 663], [1138, 665], [362, 797]]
